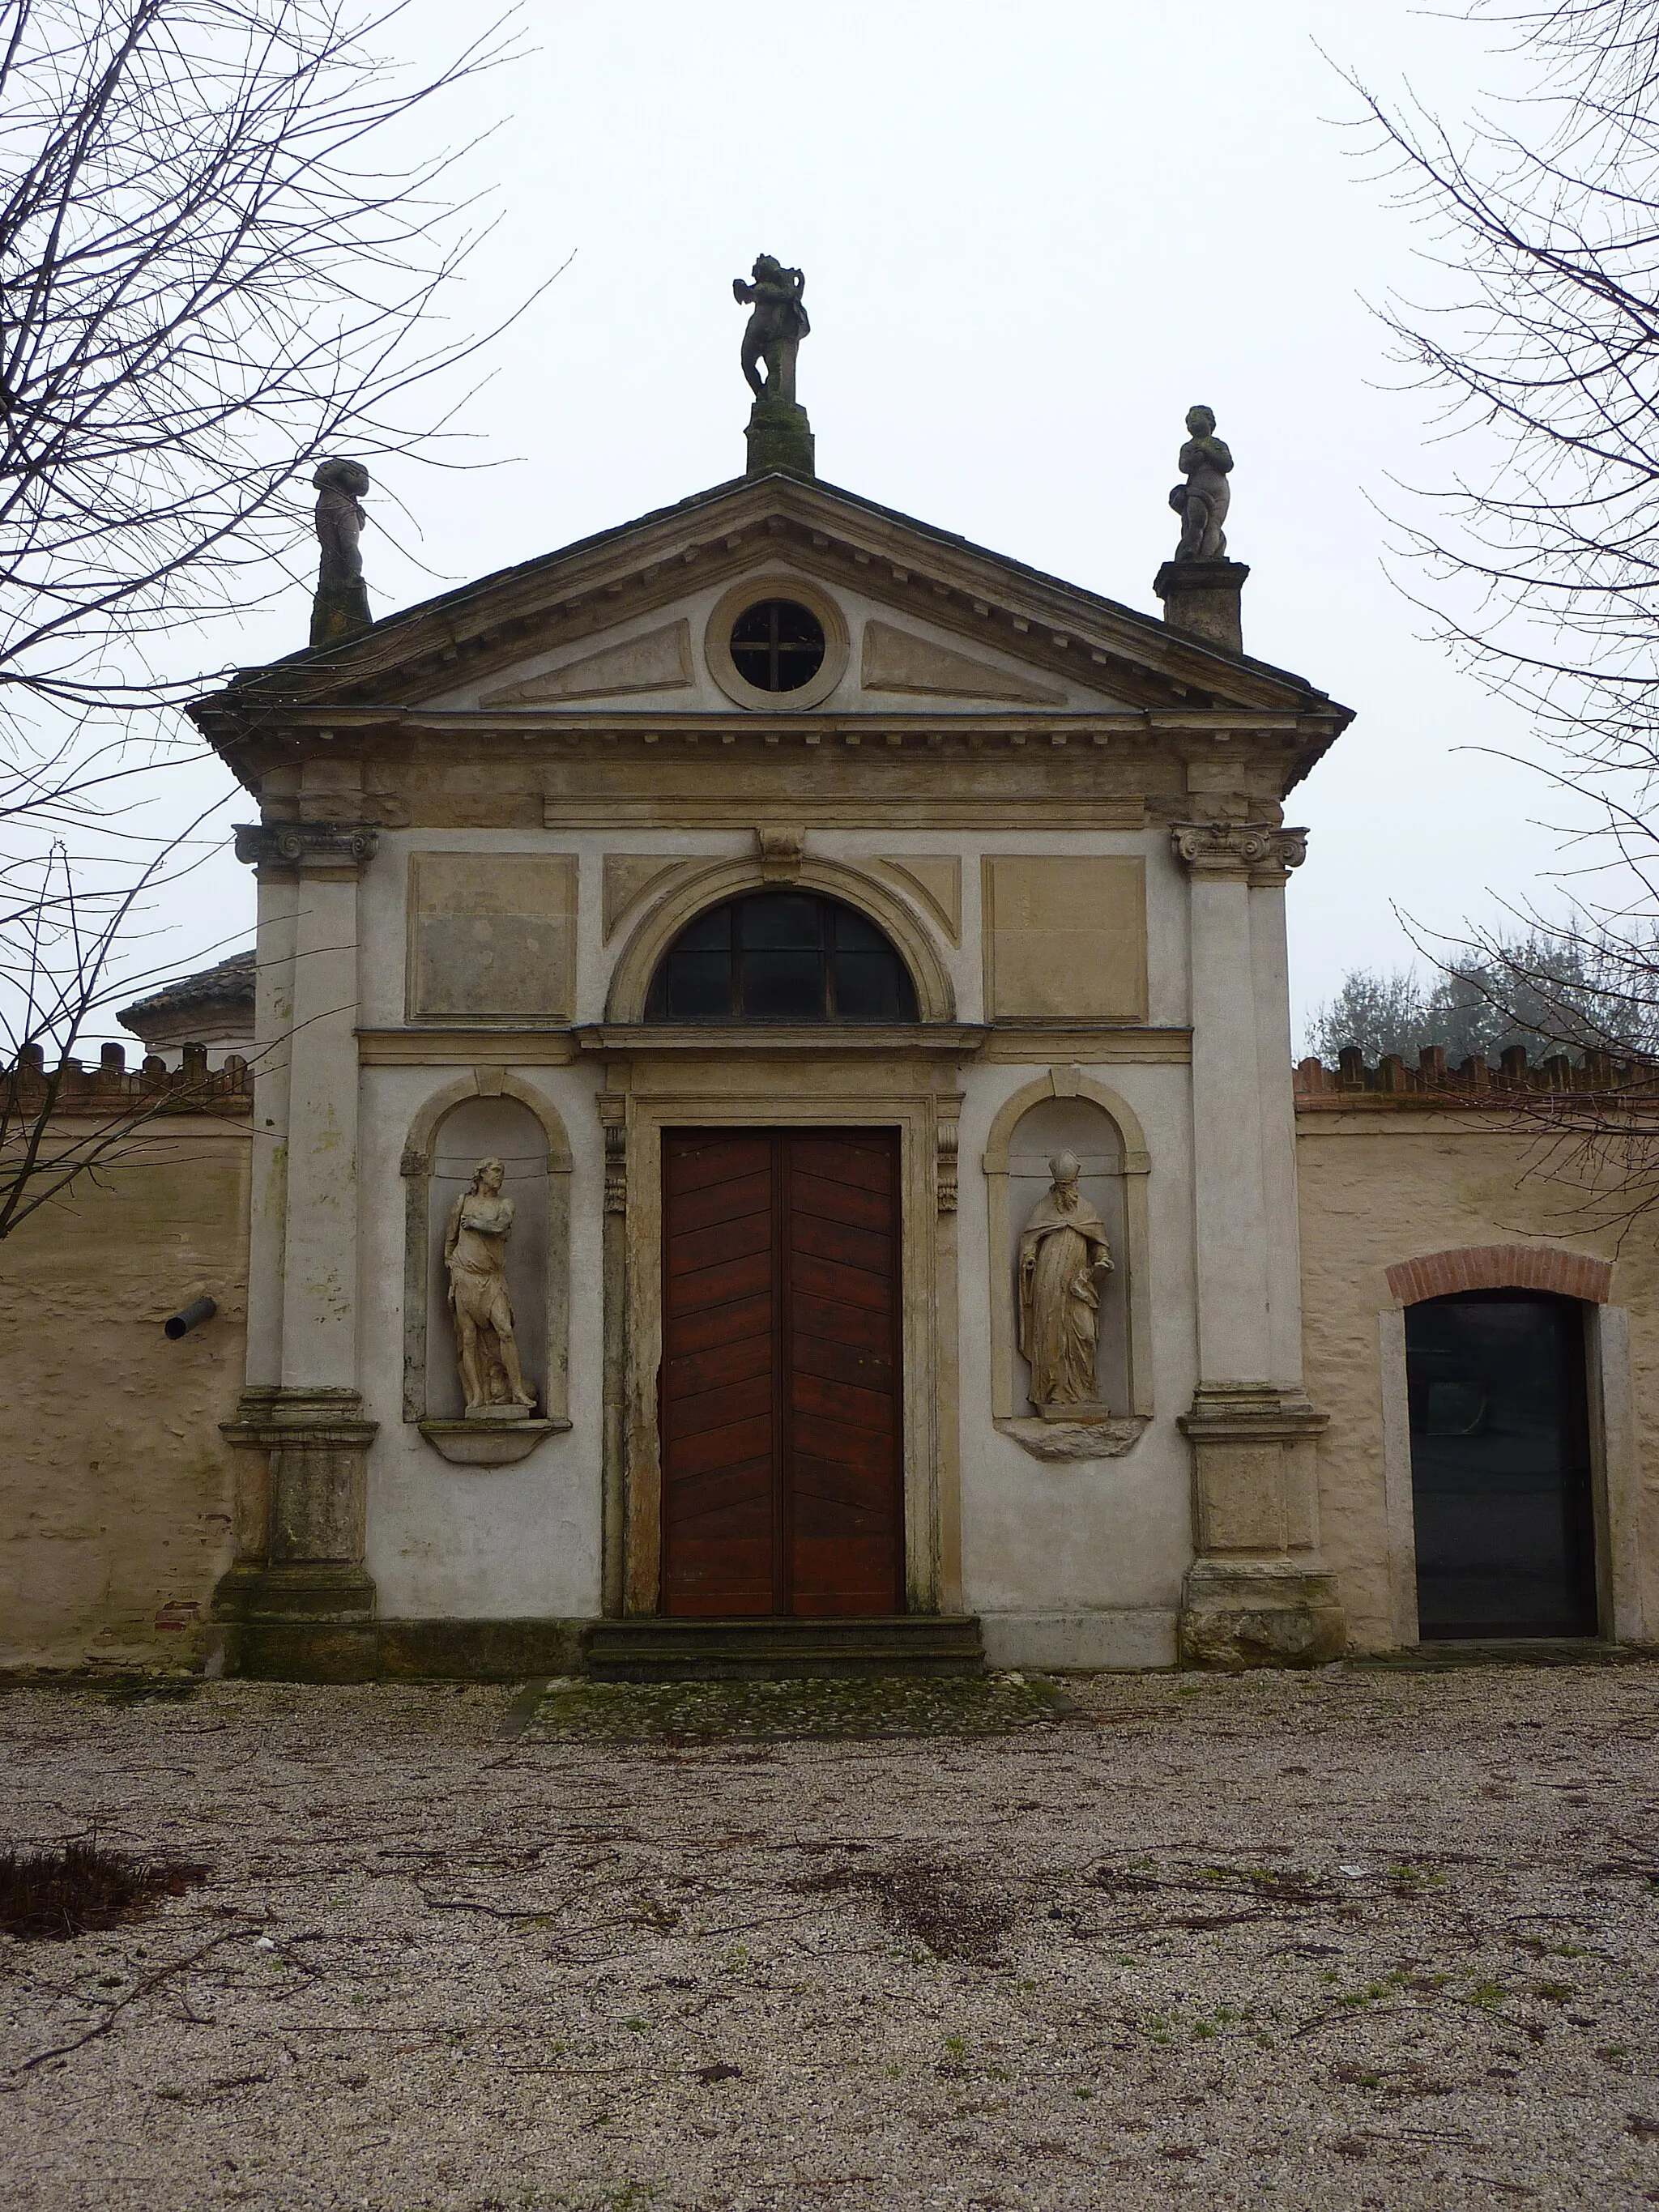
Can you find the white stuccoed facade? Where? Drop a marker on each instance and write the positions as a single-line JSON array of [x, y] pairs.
[[1153, 1022]]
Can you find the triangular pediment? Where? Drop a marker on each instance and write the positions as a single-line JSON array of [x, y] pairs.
[[629, 622]]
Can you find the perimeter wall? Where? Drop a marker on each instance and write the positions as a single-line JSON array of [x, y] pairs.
[[117, 1490]]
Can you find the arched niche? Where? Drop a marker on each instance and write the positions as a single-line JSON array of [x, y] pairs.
[[488, 1114], [1065, 1110], [688, 895]]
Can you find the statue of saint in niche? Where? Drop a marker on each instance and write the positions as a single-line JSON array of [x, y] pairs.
[[1063, 1254], [475, 1253], [1201, 502]]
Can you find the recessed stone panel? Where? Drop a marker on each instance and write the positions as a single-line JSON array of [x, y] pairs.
[[1065, 938], [492, 935]]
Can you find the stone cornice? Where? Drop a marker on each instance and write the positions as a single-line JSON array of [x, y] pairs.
[[307, 848], [954, 1040], [1257, 852]]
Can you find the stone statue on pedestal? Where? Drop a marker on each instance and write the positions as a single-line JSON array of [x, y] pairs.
[[340, 609], [1063, 1254], [1202, 501], [475, 1253], [780, 436]]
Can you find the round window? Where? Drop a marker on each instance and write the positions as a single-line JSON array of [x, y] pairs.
[[777, 644]]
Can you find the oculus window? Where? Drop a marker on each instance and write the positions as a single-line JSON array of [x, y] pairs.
[[781, 957], [777, 644]]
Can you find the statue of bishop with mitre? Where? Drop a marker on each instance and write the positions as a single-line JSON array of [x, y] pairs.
[[1063, 1254]]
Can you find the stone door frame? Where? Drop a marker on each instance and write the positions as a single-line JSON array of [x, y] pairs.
[[1615, 1481]]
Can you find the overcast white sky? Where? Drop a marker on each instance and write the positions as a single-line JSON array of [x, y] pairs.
[[1033, 236]]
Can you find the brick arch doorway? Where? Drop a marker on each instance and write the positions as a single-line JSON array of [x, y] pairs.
[[780, 1398]]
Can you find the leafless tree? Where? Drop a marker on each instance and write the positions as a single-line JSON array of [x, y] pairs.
[[221, 242], [1540, 340]]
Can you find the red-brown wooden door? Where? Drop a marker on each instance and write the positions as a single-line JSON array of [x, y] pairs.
[[782, 1483]]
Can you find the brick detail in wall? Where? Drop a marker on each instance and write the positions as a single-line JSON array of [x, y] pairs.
[[1502, 1267]]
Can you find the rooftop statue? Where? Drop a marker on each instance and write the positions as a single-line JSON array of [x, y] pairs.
[[780, 436], [777, 327], [340, 609], [1201, 502]]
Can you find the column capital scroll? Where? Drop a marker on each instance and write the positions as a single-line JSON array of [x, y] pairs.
[[307, 847], [1258, 851]]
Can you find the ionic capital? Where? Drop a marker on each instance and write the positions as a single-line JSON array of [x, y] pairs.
[[1254, 850], [307, 847]]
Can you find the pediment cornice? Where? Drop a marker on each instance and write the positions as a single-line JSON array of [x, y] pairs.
[[584, 590]]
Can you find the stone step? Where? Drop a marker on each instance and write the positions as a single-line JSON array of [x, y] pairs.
[[770, 1649]]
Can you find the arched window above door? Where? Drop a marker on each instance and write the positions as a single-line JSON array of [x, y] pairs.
[[782, 955]]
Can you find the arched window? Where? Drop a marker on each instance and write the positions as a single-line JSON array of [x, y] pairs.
[[781, 957]]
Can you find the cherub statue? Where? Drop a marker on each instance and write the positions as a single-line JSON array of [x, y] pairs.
[[341, 606], [775, 329], [1202, 501], [475, 1253]]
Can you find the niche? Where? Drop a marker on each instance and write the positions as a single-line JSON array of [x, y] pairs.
[[1074, 1125], [1067, 1110]]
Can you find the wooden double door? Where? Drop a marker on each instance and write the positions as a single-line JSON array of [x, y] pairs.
[[782, 1455]]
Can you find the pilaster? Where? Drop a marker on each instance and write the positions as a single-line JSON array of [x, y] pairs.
[[301, 1414], [1258, 1592]]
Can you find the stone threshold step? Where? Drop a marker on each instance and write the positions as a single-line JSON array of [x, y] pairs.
[[762, 1649], [1512, 1651]]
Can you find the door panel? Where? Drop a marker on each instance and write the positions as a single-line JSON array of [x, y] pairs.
[[781, 1445], [847, 1532]]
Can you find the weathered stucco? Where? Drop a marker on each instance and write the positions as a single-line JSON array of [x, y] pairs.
[[1380, 1188], [117, 1492]]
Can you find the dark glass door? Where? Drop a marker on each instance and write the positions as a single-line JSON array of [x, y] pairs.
[[1500, 1466]]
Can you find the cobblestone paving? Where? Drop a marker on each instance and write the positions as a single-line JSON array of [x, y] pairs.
[[1355, 1940]]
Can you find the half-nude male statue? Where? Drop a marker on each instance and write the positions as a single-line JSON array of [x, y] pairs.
[[1063, 1254], [341, 606], [475, 1253], [1202, 501], [777, 327]]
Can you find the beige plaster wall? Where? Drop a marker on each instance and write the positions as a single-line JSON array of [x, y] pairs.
[[1376, 1189], [116, 1488]]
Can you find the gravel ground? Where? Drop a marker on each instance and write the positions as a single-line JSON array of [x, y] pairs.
[[1358, 1939]]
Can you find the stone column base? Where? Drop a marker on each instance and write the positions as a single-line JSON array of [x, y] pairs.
[[1259, 1593], [313, 1565], [1258, 1613]]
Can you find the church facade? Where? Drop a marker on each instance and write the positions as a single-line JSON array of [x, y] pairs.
[[862, 958]]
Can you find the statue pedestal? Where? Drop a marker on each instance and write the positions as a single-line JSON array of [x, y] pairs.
[[499, 1414], [1201, 600], [1089, 1411], [337, 612], [779, 437], [489, 1442]]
